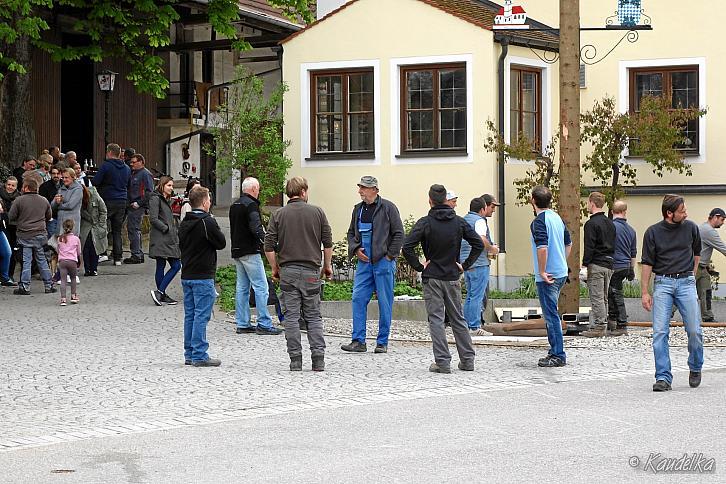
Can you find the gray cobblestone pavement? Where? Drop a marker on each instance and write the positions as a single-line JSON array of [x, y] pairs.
[[113, 364]]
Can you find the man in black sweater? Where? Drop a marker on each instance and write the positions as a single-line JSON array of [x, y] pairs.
[[248, 237], [599, 241], [671, 251], [440, 234], [199, 240]]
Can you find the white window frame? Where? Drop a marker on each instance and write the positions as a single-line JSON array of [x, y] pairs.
[[396, 65], [305, 135], [546, 79], [624, 95]]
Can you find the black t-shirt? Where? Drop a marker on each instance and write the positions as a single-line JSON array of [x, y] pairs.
[[671, 248]]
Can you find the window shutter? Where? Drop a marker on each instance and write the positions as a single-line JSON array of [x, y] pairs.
[[583, 77]]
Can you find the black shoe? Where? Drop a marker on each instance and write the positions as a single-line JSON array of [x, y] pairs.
[[709, 320], [296, 363], [133, 260], [271, 330], [468, 366], [167, 300], [50, 290], [21, 292], [248, 329], [318, 363], [354, 347], [381, 349], [207, 362], [157, 297], [661, 386], [550, 361], [694, 379], [187, 362], [434, 368], [9, 283], [90, 274]]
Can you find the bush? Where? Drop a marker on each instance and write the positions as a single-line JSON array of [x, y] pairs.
[[226, 277]]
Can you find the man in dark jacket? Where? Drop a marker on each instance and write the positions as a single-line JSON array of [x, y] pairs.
[[599, 242], [199, 240], [248, 237], [30, 213], [112, 181], [141, 184], [375, 237], [28, 164], [626, 249], [440, 234]]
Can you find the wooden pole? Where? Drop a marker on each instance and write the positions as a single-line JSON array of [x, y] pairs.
[[569, 200]]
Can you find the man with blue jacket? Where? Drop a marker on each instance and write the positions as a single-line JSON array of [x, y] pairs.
[[112, 181], [141, 184], [375, 237]]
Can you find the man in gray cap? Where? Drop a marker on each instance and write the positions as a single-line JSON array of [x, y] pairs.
[[709, 240], [375, 237]]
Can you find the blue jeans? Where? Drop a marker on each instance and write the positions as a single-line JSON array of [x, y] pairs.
[[163, 280], [5, 254], [51, 226], [681, 292], [33, 248], [251, 272], [199, 297], [548, 295], [476, 280], [369, 277]]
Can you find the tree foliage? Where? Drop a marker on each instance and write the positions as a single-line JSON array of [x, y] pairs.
[[654, 134], [250, 137], [132, 30]]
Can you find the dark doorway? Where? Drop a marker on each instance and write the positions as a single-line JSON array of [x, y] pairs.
[[78, 88]]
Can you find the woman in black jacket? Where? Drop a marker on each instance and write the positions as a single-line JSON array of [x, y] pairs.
[[163, 239]]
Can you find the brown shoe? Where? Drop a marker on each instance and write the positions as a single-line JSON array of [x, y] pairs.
[[598, 331], [620, 330]]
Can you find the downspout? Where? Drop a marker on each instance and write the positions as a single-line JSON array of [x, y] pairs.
[[501, 221]]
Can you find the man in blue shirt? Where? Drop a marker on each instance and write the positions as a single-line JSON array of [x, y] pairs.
[[626, 248], [551, 245]]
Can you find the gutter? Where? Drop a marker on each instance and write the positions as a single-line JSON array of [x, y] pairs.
[[504, 42]]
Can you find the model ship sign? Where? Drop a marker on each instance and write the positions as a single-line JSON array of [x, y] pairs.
[[510, 17]]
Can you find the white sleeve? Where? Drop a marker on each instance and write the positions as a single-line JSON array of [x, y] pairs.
[[480, 227]]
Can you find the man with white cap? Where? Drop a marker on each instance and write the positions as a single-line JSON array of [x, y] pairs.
[[375, 237], [451, 198]]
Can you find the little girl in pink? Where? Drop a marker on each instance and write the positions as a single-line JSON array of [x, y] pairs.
[[69, 260]]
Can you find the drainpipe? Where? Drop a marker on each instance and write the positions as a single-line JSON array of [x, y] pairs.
[[501, 282]]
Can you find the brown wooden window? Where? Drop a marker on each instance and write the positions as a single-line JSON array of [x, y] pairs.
[[679, 84], [433, 108], [342, 112], [525, 104]]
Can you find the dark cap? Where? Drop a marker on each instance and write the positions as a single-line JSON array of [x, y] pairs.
[[717, 212], [490, 200], [129, 152], [368, 181]]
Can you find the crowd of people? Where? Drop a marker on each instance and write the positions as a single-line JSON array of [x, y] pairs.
[[60, 203]]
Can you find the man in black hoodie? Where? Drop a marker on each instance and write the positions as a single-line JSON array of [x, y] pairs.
[[440, 234], [199, 240]]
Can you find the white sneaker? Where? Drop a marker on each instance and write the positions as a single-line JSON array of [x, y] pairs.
[[102, 258], [68, 278], [117, 262], [78, 280]]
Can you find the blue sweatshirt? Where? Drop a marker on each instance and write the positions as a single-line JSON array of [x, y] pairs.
[[626, 245], [112, 180]]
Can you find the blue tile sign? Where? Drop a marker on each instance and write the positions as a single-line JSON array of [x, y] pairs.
[[629, 12]]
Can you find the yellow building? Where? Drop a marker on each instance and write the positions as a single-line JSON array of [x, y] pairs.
[[402, 89]]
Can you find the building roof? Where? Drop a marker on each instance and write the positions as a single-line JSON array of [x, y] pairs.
[[478, 12], [261, 8]]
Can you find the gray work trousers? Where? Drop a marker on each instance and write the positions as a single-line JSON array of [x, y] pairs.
[[598, 280], [444, 298], [300, 288], [703, 284], [133, 227]]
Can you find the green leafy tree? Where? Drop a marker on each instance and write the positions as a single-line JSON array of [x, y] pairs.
[[654, 134], [249, 138]]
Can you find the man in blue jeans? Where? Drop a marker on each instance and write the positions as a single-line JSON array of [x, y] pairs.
[[671, 251], [551, 245], [375, 237], [477, 277], [248, 236], [199, 240]]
